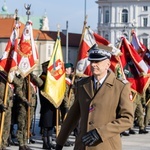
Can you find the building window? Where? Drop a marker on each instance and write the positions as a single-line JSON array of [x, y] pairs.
[[145, 21], [106, 37], [107, 16], [145, 42], [49, 50], [145, 8], [124, 16]]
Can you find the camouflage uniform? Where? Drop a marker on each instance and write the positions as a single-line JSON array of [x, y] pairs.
[[67, 103], [22, 94], [138, 109], [147, 109], [7, 119]]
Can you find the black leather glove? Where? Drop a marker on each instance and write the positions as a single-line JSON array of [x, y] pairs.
[[58, 147], [144, 106], [3, 107], [91, 138]]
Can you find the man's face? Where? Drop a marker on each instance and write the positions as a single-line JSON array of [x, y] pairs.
[[100, 67], [68, 70]]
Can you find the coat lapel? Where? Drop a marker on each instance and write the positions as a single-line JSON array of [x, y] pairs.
[[88, 86], [108, 83]]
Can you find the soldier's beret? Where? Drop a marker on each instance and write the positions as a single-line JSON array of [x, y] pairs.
[[68, 65]]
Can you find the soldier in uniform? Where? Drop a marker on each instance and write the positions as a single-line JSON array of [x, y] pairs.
[[139, 114], [67, 103], [68, 97], [102, 104], [22, 96], [47, 113], [147, 107], [7, 108]]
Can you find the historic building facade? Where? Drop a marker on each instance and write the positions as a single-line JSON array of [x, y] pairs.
[[118, 16], [43, 37]]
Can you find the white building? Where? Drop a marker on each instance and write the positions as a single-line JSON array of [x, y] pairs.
[[114, 16]]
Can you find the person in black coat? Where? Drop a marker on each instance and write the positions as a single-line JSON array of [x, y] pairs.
[[47, 114]]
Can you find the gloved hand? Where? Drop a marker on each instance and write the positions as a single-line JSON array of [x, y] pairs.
[[91, 138], [144, 106], [3, 107], [58, 147]]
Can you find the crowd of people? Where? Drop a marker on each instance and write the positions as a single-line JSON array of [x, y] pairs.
[[98, 109], [22, 95]]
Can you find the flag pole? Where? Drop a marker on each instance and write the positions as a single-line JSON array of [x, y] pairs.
[[27, 7], [57, 110], [29, 110], [73, 78]]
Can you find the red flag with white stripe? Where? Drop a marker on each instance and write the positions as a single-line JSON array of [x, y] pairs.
[[142, 50], [133, 66], [27, 51], [137, 44], [89, 39], [8, 62], [83, 65]]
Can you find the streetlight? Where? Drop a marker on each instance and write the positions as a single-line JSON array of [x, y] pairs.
[[85, 9]]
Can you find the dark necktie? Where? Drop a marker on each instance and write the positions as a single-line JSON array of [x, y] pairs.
[[97, 86]]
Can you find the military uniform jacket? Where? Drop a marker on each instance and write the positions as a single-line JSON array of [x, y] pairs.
[[109, 111], [2, 93], [22, 88]]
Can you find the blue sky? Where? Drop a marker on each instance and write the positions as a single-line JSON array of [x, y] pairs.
[[59, 11]]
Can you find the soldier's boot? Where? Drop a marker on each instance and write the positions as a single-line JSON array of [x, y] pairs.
[[49, 142], [22, 147], [10, 141], [45, 144], [27, 147]]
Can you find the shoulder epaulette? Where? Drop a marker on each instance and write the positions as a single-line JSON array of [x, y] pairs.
[[123, 80]]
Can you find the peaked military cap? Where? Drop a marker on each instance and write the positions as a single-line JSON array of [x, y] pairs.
[[99, 53]]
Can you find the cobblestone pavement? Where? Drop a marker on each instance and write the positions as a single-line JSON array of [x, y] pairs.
[[132, 142]]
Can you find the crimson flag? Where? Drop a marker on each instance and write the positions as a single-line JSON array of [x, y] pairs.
[[89, 39], [133, 67], [8, 62]]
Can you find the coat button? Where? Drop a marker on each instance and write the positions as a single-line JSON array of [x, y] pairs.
[[91, 122]]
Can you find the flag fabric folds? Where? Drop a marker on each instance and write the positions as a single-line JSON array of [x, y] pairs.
[[27, 52], [133, 67], [8, 62], [89, 39], [83, 65], [55, 84], [138, 46], [142, 50]]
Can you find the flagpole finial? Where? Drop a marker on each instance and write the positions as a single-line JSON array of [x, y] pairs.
[[27, 7], [16, 15], [58, 27]]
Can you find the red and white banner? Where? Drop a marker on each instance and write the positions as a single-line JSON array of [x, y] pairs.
[[90, 38], [83, 65], [133, 67], [142, 50], [27, 51], [8, 62]]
